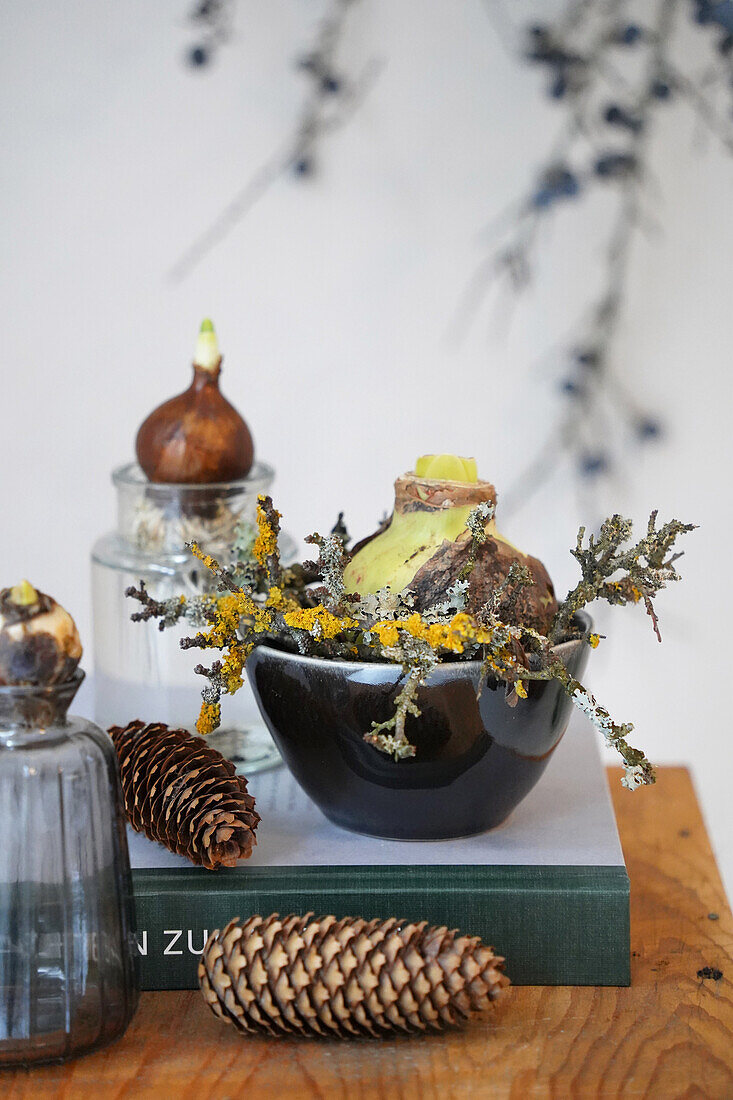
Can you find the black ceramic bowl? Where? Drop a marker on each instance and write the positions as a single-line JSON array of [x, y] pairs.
[[476, 759]]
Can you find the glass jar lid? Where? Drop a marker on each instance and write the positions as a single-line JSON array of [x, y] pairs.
[[162, 518]]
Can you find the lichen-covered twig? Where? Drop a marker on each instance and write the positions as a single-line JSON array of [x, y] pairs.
[[621, 574], [328, 622], [506, 593], [478, 517], [330, 568], [197, 609], [266, 551], [390, 735], [164, 610], [638, 771]]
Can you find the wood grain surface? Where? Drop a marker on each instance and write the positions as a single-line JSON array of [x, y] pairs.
[[669, 1035]]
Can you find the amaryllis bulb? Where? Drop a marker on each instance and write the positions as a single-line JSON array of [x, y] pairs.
[[426, 546], [39, 642], [197, 437]]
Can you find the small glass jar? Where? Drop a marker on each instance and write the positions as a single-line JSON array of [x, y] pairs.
[[68, 978], [139, 670]]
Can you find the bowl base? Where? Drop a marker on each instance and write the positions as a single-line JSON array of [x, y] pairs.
[[412, 839]]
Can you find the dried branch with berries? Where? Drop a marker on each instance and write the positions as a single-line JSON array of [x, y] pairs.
[[613, 68]]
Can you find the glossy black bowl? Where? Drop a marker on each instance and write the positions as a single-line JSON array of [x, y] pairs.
[[476, 758]]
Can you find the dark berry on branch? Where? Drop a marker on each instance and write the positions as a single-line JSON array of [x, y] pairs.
[[568, 184], [198, 56], [559, 86], [720, 12], [303, 166], [628, 35], [617, 116], [571, 387], [556, 183], [331, 85], [593, 463], [206, 9], [647, 428], [590, 358], [660, 89], [613, 165]]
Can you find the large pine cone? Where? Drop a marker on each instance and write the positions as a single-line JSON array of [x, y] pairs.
[[184, 794], [306, 975]]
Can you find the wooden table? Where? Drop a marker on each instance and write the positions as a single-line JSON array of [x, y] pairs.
[[669, 1035]]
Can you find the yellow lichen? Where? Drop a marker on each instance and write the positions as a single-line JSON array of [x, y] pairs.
[[229, 611], [387, 632], [594, 640], [278, 601], [230, 607], [462, 630], [521, 688], [626, 590], [232, 667], [209, 718], [318, 621], [265, 544], [206, 559]]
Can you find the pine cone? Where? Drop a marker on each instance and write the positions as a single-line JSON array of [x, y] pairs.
[[306, 975], [184, 794]]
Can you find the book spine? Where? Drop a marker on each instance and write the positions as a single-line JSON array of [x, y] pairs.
[[555, 926]]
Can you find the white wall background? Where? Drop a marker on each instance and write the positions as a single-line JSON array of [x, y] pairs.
[[332, 301]]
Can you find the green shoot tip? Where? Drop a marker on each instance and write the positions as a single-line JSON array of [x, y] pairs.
[[23, 594]]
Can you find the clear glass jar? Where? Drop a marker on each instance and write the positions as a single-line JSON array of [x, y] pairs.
[[139, 670], [68, 979]]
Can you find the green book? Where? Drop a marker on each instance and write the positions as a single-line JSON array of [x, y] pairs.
[[548, 889]]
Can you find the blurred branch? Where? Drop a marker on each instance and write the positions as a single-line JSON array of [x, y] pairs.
[[604, 143], [329, 104]]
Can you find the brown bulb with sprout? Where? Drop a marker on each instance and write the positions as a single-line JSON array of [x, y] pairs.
[[197, 437], [39, 642]]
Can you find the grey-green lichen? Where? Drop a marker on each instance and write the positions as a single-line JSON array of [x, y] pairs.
[[307, 608]]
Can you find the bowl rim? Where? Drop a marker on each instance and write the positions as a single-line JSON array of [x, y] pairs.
[[340, 662]]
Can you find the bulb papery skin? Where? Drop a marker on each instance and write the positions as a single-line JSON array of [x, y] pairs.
[[426, 545], [197, 437]]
